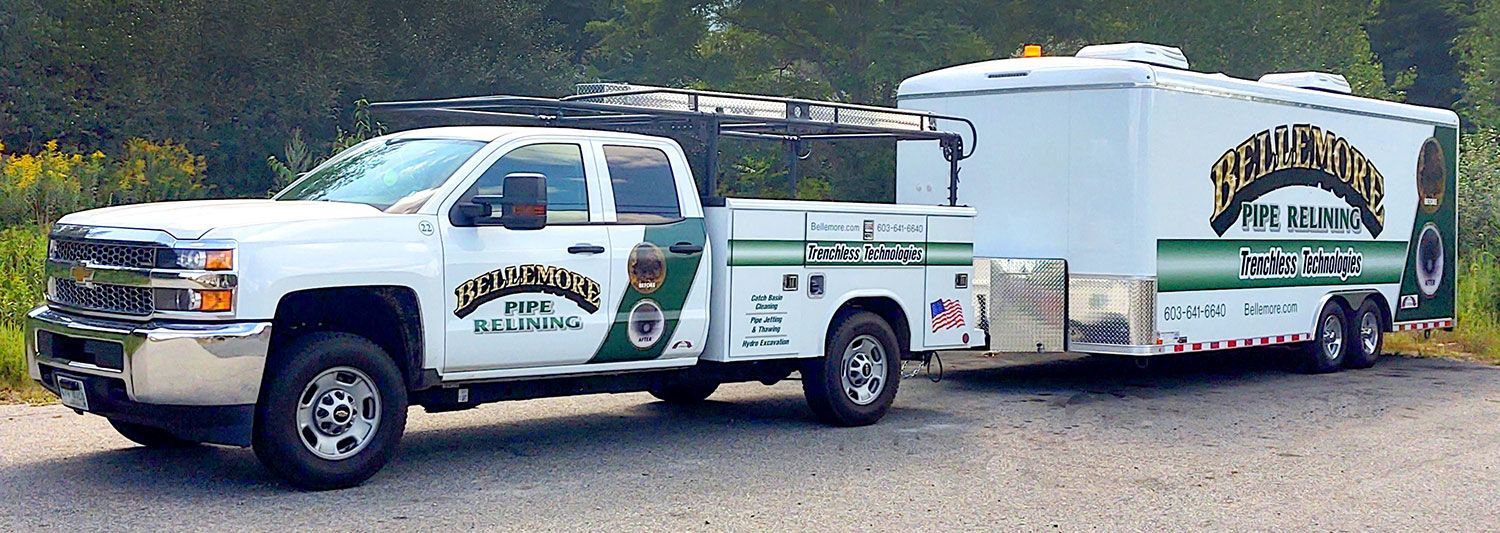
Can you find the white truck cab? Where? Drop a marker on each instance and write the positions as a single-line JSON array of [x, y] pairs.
[[452, 266]]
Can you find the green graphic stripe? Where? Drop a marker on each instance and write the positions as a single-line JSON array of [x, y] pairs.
[[1202, 265], [794, 253], [670, 296], [950, 254], [765, 253]]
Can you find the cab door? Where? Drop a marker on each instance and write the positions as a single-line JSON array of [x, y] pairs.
[[660, 250], [529, 298]]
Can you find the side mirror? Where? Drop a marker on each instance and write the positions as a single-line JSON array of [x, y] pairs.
[[476, 211], [524, 206]]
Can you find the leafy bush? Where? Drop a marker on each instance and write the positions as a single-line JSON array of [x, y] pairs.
[[42, 187], [22, 250], [1479, 192], [22, 253]]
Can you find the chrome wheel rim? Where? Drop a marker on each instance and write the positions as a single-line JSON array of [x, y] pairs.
[[1369, 333], [865, 365], [1333, 337], [338, 413]]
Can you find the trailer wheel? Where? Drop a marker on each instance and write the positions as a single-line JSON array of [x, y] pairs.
[[1367, 336], [1329, 343], [855, 381], [150, 437], [331, 413], [683, 392]]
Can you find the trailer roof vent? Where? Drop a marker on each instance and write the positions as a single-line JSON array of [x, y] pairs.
[[1317, 81], [1151, 54]]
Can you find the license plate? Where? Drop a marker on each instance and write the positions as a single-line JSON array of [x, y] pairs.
[[72, 394]]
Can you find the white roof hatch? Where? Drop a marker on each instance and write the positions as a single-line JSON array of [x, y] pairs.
[[1151, 54]]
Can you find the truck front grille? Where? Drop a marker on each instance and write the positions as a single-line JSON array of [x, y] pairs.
[[116, 299], [105, 254]]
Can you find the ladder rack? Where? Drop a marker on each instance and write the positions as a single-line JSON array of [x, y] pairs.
[[793, 121]]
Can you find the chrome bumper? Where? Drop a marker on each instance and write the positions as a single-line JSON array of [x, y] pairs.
[[164, 363]]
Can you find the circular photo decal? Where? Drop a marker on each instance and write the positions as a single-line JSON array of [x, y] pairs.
[[646, 324], [1429, 260], [1432, 170], [647, 267]]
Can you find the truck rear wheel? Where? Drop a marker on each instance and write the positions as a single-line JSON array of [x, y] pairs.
[[1329, 343], [684, 392], [150, 437], [1367, 336], [331, 413], [855, 381]]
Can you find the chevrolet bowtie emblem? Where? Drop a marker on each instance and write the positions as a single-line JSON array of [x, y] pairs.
[[82, 275]]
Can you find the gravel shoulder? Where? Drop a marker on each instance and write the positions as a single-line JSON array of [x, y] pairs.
[[1222, 441]]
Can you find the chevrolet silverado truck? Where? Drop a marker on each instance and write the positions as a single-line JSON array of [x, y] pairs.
[[448, 267]]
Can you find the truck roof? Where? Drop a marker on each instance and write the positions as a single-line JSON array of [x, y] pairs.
[[491, 133], [1063, 72]]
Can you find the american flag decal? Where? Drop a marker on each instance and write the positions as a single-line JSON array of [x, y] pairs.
[[947, 314]]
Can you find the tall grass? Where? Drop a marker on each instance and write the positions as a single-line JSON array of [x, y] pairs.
[[1477, 333], [22, 252]]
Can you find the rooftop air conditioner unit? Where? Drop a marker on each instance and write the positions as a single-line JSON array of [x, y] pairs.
[[1151, 54], [1317, 81]]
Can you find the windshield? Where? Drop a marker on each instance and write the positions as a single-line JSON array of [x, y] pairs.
[[395, 175]]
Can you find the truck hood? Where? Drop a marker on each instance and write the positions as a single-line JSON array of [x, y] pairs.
[[192, 219]]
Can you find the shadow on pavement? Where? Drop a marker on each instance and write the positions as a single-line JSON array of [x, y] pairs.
[[637, 439]]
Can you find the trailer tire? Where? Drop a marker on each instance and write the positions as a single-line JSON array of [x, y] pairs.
[[331, 413], [150, 437], [1367, 336], [684, 392], [1330, 342], [855, 381]]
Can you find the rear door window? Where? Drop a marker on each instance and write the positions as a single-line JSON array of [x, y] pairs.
[[645, 190]]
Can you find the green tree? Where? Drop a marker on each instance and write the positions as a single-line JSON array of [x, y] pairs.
[[1416, 38]]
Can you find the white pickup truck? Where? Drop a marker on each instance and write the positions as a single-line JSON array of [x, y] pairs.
[[452, 266]]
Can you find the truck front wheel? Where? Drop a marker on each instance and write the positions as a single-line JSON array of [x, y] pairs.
[[331, 413], [855, 381]]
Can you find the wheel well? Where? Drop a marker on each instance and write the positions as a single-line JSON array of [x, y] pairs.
[[883, 307], [387, 315]]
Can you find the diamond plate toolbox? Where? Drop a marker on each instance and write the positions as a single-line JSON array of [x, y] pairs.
[[1023, 303]]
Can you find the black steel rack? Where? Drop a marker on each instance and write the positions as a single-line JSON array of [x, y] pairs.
[[704, 116]]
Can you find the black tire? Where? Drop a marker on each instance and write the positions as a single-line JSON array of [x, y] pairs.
[[1371, 317], [150, 437], [279, 436], [823, 377], [1321, 355], [684, 392]]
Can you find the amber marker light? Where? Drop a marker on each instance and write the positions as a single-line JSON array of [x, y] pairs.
[[1031, 50], [215, 300], [219, 260]]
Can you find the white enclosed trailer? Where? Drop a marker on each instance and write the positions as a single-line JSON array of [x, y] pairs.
[[1149, 209]]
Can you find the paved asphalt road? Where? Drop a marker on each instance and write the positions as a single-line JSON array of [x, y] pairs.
[[1203, 442]]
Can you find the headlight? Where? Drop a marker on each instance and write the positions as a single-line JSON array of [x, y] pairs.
[[189, 259]]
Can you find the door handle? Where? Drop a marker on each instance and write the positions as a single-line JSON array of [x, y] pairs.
[[685, 248], [585, 249]]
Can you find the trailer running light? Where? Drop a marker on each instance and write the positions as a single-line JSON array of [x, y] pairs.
[[1031, 50]]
